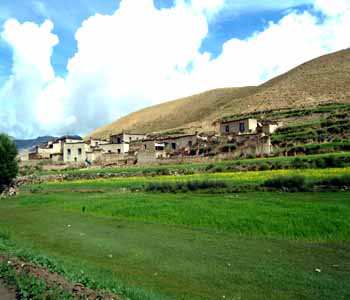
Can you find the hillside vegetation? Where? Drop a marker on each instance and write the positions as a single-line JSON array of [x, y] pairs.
[[324, 79]]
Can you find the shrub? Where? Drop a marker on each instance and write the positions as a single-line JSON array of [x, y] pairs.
[[8, 161], [172, 187], [320, 163], [340, 181], [287, 183], [264, 167], [297, 163]]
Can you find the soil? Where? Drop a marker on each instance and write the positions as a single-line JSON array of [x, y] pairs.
[[6, 293], [52, 280]]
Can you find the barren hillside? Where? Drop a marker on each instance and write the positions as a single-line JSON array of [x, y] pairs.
[[326, 78]]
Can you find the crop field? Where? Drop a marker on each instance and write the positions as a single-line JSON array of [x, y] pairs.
[[232, 179], [110, 234], [339, 159]]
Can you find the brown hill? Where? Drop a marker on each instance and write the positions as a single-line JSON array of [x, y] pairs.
[[326, 78]]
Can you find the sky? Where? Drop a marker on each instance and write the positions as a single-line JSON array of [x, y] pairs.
[[68, 67]]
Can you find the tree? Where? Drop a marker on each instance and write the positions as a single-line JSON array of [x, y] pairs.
[[8, 161]]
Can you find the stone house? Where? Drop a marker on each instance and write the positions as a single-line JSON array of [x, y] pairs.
[[54, 149], [151, 150], [75, 152], [180, 143], [124, 139], [239, 126]]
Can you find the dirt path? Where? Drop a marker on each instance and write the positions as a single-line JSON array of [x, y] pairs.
[[6, 294]]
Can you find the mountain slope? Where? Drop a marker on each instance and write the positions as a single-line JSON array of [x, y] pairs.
[[326, 78], [27, 144]]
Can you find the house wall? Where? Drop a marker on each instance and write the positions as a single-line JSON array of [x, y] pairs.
[[270, 128], [93, 155], [74, 155], [97, 142], [57, 158], [250, 126], [115, 148], [253, 144], [126, 138], [181, 142], [44, 153]]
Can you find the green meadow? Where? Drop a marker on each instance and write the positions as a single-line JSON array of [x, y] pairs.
[[108, 233]]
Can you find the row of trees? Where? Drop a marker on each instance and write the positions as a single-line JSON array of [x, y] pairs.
[[8, 161]]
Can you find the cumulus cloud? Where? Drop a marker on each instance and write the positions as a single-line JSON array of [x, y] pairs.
[[140, 56]]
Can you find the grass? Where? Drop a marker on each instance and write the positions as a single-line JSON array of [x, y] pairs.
[[233, 180], [190, 246]]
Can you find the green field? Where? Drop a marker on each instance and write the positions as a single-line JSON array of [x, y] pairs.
[[339, 159], [254, 245]]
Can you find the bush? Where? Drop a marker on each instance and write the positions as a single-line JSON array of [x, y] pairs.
[[297, 163], [8, 161], [264, 167], [287, 183], [172, 187], [320, 163], [340, 182]]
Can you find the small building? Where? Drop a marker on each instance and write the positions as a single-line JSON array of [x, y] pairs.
[[52, 148], [240, 126], [75, 152], [124, 139], [180, 143], [114, 148], [56, 157]]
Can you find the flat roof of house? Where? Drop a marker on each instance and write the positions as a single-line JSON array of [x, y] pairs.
[[237, 120], [164, 138], [78, 143], [121, 133]]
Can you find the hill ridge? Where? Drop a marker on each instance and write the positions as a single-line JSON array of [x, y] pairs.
[[325, 78]]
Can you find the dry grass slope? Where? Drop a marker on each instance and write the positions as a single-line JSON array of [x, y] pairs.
[[326, 78]]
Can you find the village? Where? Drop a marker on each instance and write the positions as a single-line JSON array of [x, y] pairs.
[[232, 139]]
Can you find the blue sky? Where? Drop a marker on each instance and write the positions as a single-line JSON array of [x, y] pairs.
[[111, 58], [67, 15]]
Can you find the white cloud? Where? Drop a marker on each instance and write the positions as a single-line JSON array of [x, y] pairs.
[[333, 8], [140, 56], [32, 99]]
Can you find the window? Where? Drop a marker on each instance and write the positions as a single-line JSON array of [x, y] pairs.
[[227, 128], [109, 151], [69, 151], [173, 146], [130, 138], [80, 151], [190, 143], [119, 151], [145, 146], [75, 159], [241, 127], [118, 140]]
